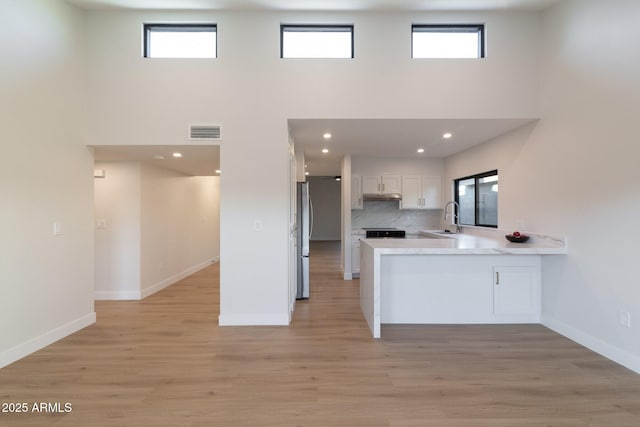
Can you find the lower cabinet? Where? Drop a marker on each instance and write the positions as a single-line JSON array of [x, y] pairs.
[[455, 289], [516, 290]]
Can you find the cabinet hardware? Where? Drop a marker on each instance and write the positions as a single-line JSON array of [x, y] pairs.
[[383, 188], [497, 277]]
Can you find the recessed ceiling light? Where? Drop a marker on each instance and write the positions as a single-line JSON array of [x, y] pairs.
[[420, 150], [177, 155], [159, 157], [306, 173], [327, 135], [218, 171], [305, 166], [447, 135], [325, 150]]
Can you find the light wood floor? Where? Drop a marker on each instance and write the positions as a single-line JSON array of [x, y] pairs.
[[164, 361]]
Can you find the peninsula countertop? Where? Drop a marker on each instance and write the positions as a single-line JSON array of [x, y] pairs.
[[422, 278], [466, 244]]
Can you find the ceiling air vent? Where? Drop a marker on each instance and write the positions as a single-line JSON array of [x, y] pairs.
[[205, 132]]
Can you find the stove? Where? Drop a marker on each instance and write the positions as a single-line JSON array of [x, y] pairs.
[[384, 233]]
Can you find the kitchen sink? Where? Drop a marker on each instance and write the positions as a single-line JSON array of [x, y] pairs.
[[437, 234]]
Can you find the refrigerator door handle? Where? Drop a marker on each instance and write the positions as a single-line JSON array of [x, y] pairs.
[[311, 218]]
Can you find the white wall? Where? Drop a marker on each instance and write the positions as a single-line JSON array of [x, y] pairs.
[[179, 225], [574, 173], [326, 197], [373, 166], [508, 155], [46, 176], [161, 227], [117, 201]]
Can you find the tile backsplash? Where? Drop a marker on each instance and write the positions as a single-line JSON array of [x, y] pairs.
[[388, 214]]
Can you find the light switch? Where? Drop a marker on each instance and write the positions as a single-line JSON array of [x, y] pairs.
[[257, 226], [101, 224], [57, 228]]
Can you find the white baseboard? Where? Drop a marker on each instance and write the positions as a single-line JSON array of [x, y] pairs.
[[138, 295], [622, 357], [176, 278], [116, 295], [31, 346], [253, 319]]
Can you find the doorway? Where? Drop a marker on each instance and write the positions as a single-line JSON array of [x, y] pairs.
[[157, 217], [326, 195]]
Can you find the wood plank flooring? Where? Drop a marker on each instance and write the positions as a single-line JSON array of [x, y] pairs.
[[164, 361]]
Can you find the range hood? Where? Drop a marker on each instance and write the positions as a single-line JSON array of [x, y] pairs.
[[382, 196]]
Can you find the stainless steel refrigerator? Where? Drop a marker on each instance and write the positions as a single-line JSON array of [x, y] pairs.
[[304, 228]]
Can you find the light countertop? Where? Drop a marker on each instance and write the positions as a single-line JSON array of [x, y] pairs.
[[468, 244]]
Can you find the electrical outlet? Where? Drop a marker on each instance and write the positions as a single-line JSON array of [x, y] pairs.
[[257, 225], [624, 318]]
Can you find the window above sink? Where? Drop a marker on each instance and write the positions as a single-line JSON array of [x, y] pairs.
[[477, 196]]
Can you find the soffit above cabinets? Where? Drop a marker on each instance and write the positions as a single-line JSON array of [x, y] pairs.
[[319, 5], [390, 138]]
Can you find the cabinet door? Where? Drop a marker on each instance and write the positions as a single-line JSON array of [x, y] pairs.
[[356, 192], [371, 185], [391, 184], [355, 255], [411, 192], [516, 290], [431, 192]]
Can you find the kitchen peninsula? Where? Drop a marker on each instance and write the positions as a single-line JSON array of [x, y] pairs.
[[460, 278]]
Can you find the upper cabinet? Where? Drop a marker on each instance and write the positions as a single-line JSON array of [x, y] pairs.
[[421, 192], [381, 184], [356, 192]]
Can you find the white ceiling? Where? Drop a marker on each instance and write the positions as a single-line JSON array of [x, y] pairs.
[[318, 5], [196, 160], [390, 138]]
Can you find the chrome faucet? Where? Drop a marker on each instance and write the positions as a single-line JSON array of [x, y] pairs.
[[455, 214]]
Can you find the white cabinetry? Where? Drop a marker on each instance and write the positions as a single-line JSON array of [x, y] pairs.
[[356, 192], [516, 290], [456, 288], [381, 184], [355, 255], [421, 192]]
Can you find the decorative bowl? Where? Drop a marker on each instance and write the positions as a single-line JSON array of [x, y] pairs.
[[517, 239]]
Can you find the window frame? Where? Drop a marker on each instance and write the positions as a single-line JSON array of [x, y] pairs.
[[316, 28], [476, 178], [452, 28], [147, 28]]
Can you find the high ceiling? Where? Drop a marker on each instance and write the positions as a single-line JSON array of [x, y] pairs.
[[362, 137], [318, 5]]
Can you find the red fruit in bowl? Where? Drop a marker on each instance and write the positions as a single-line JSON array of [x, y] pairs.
[[516, 234]]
